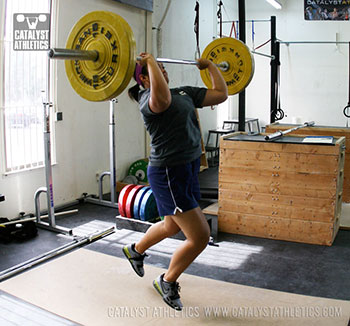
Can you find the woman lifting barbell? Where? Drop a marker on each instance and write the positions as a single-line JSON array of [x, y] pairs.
[[169, 117]]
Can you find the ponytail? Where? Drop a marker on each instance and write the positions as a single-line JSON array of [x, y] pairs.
[[133, 92]]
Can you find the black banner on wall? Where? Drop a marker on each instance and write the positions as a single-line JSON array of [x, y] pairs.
[[326, 9]]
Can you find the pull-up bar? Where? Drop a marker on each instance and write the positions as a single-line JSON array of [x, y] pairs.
[[247, 21], [264, 55], [312, 42]]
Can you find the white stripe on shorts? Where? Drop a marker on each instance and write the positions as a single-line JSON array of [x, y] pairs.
[[172, 195]]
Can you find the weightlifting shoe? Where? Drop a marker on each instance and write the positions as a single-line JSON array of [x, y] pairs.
[[169, 292], [135, 259]]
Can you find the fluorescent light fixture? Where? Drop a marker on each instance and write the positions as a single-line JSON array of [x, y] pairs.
[[275, 4]]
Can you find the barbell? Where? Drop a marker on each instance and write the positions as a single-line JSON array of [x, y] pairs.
[[100, 58]]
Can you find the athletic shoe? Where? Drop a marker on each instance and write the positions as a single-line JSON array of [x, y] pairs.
[[169, 291], [135, 259]]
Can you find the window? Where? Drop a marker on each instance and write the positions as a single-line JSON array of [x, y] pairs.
[[24, 77]]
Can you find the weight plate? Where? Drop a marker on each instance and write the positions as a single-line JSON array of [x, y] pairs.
[[148, 208], [138, 200], [129, 207], [130, 179], [132, 60], [110, 35], [139, 170], [240, 60], [123, 195]]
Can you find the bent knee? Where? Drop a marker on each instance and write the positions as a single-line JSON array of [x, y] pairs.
[[201, 237], [170, 229]]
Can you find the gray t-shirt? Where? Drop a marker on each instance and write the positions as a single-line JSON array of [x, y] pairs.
[[175, 133]]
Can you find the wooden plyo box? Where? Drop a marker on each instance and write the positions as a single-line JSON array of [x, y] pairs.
[[323, 131], [285, 189]]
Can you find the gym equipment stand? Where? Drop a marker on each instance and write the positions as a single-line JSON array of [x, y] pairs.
[[51, 225]]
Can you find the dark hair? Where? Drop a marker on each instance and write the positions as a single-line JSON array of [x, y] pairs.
[[133, 91]]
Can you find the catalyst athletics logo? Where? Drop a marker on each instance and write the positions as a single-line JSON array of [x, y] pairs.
[[31, 32]]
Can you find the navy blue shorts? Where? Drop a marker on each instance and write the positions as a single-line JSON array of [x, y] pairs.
[[175, 188]]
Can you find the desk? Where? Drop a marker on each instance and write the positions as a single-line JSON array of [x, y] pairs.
[[250, 122]]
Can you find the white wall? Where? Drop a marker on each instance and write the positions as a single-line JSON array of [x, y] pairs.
[[82, 143]]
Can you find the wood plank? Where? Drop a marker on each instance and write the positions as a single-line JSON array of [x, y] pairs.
[[253, 176], [338, 206], [274, 161], [336, 227], [276, 228], [280, 147], [279, 200], [345, 217], [346, 182], [278, 189], [211, 209], [266, 209], [340, 184]]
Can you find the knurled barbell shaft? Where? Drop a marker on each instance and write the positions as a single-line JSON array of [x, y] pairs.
[[223, 65], [178, 61], [68, 54]]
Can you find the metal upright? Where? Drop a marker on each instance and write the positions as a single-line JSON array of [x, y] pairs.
[[51, 225], [242, 37], [112, 166], [274, 71]]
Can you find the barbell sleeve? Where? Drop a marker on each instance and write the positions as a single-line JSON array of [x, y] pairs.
[[68, 54]]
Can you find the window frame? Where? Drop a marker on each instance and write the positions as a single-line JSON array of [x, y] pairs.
[[50, 92]]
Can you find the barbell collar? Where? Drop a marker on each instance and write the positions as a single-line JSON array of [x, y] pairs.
[[68, 54]]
